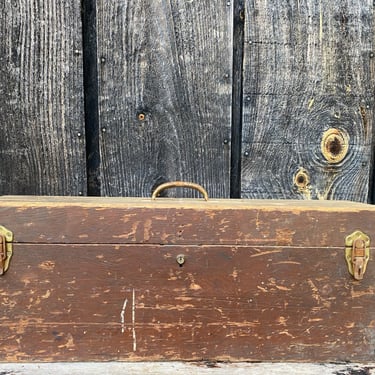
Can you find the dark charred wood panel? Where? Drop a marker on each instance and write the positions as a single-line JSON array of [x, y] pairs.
[[225, 303], [165, 92], [42, 132], [308, 70]]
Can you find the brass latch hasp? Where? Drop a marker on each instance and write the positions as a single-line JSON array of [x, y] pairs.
[[6, 249], [357, 253]]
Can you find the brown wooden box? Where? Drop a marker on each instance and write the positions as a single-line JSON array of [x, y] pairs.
[[98, 279]]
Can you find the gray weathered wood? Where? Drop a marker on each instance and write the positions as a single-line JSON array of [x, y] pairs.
[[165, 71], [308, 68], [42, 148]]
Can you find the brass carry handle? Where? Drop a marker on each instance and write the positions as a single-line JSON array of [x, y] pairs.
[[173, 184]]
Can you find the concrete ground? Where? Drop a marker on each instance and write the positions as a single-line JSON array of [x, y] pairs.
[[168, 368]]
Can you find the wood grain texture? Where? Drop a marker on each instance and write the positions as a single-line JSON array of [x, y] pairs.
[[225, 303], [41, 98], [165, 95], [308, 68], [184, 222], [98, 279]]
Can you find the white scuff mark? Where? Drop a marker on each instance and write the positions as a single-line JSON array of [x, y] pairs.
[[122, 315], [133, 323]]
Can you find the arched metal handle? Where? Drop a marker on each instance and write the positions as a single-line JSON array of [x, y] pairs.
[[173, 184]]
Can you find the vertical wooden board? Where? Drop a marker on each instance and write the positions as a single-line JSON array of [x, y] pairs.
[[308, 70], [165, 70], [42, 148]]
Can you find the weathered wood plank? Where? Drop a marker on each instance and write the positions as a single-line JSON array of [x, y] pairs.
[[42, 146], [174, 221], [308, 69], [165, 94], [224, 303]]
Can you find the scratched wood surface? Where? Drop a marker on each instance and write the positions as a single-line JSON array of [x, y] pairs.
[[309, 67], [41, 98], [164, 95], [182, 221], [250, 289]]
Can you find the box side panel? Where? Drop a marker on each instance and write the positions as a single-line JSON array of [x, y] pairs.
[[123, 302]]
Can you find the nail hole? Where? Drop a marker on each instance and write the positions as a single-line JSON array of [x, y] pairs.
[[302, 179], [141, 117]]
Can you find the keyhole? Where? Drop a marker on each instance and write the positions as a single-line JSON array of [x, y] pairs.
[[180, 259]]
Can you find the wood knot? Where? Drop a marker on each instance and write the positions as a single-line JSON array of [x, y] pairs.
[[302, 179], [335, 145]]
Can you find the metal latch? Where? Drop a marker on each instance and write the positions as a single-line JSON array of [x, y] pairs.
[[6, 249], [357, 253]]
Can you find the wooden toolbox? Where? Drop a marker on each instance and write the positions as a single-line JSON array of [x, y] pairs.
[[105, 279]]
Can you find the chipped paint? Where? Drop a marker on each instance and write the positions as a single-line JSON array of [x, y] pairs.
[[261, 252], [173, 307], [194, 286], [147, 225], [130, 234], [122, 315], [283, 288], [69, 344], [184, 299], [282, 321], [286, 333], [47, 265], [360, 293], [234, 274], [285, 236], [264, 290], [315, 291], [289, 262], [46, 295]]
